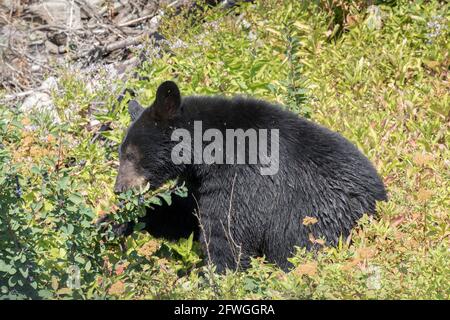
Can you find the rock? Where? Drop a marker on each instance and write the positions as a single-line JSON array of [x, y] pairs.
[[61, 13], [51, 47], [374, 20], [35, 68], [95, 4], [49, 84], [58, 38], [41, 101], [94, 123], [156, 20]]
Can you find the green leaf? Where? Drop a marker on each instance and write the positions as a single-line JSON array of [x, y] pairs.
[[24, 272], [63, 183], [45, 294], [75, 198], [167, 198]]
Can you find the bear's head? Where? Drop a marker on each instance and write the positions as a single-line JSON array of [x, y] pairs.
[[145, 152]]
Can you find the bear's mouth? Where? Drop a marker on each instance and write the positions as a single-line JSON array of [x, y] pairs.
[[129, 178]]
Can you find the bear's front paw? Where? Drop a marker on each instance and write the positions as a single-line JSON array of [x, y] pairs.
[[119, 230], [122, 230]]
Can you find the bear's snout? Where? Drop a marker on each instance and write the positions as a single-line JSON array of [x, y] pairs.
[[118, 187], [128, 178]]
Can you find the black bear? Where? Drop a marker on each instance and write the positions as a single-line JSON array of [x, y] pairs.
[[304, 183]]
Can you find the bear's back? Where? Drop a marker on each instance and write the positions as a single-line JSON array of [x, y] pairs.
[[304, 145], [238, 112]]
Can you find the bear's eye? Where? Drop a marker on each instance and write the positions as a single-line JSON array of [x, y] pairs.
[[129, 156]]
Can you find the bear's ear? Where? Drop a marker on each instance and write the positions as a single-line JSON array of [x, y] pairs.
[[168, 100], [134, 109]]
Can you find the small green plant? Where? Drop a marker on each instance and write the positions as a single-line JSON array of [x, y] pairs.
[[185, 249], [296, 98]]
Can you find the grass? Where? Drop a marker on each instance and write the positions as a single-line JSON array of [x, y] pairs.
[[385, 88]]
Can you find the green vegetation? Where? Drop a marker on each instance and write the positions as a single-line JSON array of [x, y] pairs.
[[382, 84]]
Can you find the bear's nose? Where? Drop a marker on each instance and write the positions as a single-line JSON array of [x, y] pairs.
[[118, 188]]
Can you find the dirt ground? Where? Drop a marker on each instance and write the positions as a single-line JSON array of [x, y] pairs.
[[39, 37]]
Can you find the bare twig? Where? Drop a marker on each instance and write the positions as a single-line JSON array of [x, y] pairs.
[[233, 244], [10, 97], [125, 43], [207, 239], [134, 21]]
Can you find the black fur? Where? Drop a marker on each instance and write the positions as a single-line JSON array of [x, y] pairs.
[[321, 175], [172, 222]]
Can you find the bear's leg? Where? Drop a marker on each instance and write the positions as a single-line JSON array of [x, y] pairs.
[[217, 250], [173, 221], [279, 247], [280, 260], [219, 246]]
